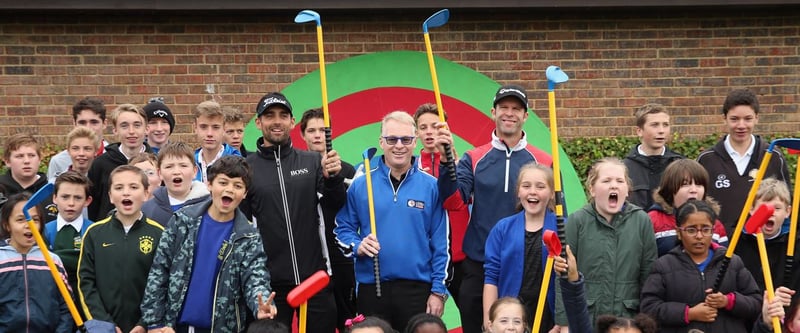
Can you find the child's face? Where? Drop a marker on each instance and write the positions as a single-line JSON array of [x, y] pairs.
[[655, 131], [782, 211], [794, 325], [24, 162], [21, 235], [157, 131], [534, 192], [368, 330], [429, 328], [90, 119], [426, 131], [127, 193], [234, 133], [508, 318], [696, 244], [209, 132], [625, 330], [610, 190], [153, 179], [314, 135], [177, 173], [71, 200], [740, 122], [82, 153], [689, 190], [130, 130], [226, 194]]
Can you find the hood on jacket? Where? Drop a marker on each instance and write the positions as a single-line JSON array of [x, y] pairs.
[[653, 162], [10, 185], [662, 205]]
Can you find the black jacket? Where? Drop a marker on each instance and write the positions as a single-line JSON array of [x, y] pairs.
[[329, 218], [730, 188], [645, 173], [283, 198], [776, 253], [675, 283], [98, 173], [11, 187]]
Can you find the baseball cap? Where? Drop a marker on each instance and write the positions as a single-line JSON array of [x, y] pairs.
[[156, 108], [511, 90], [270, 99]]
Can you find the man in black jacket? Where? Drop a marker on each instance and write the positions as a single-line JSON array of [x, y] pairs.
[[285, 198]]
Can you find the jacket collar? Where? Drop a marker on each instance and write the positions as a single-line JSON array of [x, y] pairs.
[[498, 143], [241, 226], [283, 149]]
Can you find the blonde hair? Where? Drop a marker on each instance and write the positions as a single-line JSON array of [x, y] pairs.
[[594, 172], [127, 108], [772, 188], [233, 115], [548, 175], [83, 132], [209, 109], [399, 116]]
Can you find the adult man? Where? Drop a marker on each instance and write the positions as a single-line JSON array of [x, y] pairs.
[[160, 123], [732, 162], [312, 127], [646, 161], [88, 112], [488, 174], [413, 268], [283, 199]]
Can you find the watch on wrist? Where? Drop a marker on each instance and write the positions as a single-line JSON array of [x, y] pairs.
[[442, 296]]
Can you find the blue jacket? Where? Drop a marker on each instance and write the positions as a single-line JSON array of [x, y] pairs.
[[29, 299], [412, 227], [158, 208], [488, 174], [226, 150], [242, 273], [50, 230], [505, 256]]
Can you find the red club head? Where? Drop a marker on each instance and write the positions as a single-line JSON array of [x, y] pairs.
[[308, 288], [794, 151], [550, 239], [759, 217]]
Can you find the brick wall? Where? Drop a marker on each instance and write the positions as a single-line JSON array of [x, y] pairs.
[[686, 59]]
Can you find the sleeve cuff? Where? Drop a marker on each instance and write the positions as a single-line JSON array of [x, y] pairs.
[[731, 301], [686, 315]]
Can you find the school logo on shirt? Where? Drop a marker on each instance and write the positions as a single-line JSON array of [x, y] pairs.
[[145, 244], [722, 181], [51, 209], [416, 204]]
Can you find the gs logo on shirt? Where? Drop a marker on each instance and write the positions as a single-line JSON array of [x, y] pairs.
[[145, 244], [722, 182]]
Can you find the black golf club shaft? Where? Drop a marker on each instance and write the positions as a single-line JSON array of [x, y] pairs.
[[377, 267]]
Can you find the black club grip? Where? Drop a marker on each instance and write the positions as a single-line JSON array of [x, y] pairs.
[[451, 162]]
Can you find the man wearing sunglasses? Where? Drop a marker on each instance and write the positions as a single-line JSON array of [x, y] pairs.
[[411, 236]]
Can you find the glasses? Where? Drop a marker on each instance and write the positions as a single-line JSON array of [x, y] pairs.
[[691, 231], [405, 140]]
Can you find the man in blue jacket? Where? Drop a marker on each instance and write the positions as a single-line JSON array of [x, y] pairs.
[[411, 242]]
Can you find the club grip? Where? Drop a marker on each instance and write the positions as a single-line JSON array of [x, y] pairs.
[[328, 142], [562, 235], [721, 275], [451, 162], [377, 267], [787, 273]]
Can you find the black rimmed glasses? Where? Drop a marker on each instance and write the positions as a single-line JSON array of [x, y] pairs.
[[405, 140], [691, 231]]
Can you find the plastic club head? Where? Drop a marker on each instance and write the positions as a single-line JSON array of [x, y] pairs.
[[555, 76], [369, 152], [550, 239], [40, 195], [789, 143], [438, 19], [308, 288], [307, 16], [759, 217]]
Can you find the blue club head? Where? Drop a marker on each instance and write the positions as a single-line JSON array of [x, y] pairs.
[[556, 75], [308, 16], [789, 143], [438, 19], [369, 153], [40, 195]]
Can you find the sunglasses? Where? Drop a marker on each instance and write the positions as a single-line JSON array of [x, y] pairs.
[[405, 140]]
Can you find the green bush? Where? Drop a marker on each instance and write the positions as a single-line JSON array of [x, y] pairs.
[[584, 151]]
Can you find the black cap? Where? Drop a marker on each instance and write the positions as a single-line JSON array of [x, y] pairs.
[[271, 99], [511, 90], [156, 108]]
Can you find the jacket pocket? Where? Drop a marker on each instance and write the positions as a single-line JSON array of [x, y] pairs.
[[631, 305]]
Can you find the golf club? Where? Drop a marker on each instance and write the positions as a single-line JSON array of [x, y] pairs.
[[787, 273], [555, 76], [312, 16], [438, 19], [759, 217], [550, 239], [300, 295], [367, 155], [754, 227]]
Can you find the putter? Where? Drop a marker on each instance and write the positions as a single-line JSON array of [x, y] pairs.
[[754, 227], [555, 76], [300, 295], [312, 16], [787, 273], [367, 155], [759, 217], [438, 19], [550, 239]]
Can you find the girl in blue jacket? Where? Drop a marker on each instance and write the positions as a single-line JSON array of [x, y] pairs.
[[515, 255], [29, 299]]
